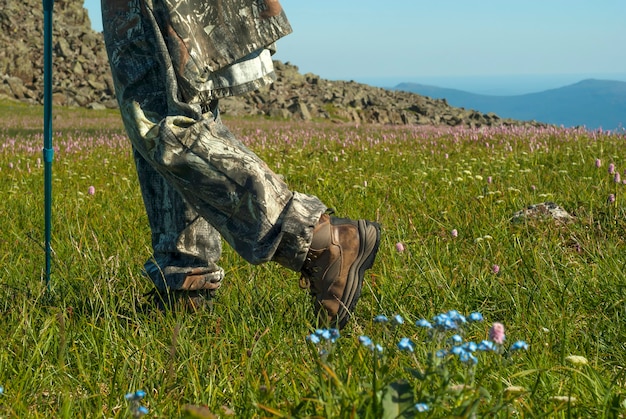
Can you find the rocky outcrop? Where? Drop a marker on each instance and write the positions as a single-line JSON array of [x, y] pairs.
[[81, 77], [544, 210]]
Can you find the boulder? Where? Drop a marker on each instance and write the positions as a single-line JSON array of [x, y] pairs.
[[543, 210]]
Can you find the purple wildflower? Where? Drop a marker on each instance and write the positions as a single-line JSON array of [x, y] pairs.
[[496, 333]]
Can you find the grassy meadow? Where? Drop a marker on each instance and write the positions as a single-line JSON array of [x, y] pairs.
[[445, 198]]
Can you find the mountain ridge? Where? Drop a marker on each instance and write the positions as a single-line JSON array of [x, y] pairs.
[[593, 103]]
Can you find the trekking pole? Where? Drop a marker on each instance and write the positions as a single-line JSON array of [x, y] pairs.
[[48, 152]]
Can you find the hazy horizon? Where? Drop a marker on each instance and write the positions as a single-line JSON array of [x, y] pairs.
[[497, 85]]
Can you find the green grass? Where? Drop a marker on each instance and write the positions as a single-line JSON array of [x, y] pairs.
[[77, 350]]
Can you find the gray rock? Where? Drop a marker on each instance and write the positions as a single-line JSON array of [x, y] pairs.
[[96, 105], [16, 87], [543, 210]]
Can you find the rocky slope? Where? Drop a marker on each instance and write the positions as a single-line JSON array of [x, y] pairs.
[[81, 77], [80, 67]]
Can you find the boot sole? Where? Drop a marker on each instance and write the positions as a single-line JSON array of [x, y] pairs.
[[369, 240]]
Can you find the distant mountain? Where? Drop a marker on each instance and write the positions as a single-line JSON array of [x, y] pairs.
[[591, 103]]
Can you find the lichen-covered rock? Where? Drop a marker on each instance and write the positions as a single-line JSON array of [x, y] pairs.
[[548, 210]]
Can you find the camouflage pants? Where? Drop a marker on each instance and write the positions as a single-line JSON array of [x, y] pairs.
[[199, 183]]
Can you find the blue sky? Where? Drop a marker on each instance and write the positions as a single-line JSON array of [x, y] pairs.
[[416, 40]]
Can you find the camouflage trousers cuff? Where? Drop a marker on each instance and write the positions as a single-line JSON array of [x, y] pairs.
[[189, 278], [298, 221]]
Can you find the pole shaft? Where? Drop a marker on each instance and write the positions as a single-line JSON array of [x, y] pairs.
[[48, 153]]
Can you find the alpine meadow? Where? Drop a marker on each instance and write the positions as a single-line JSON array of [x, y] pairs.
[[468, 311]]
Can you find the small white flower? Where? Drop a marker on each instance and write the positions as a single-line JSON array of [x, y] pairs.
[[515, 389], [577, 360]]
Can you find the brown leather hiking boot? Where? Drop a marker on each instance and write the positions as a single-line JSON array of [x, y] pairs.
[[340, 253]]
